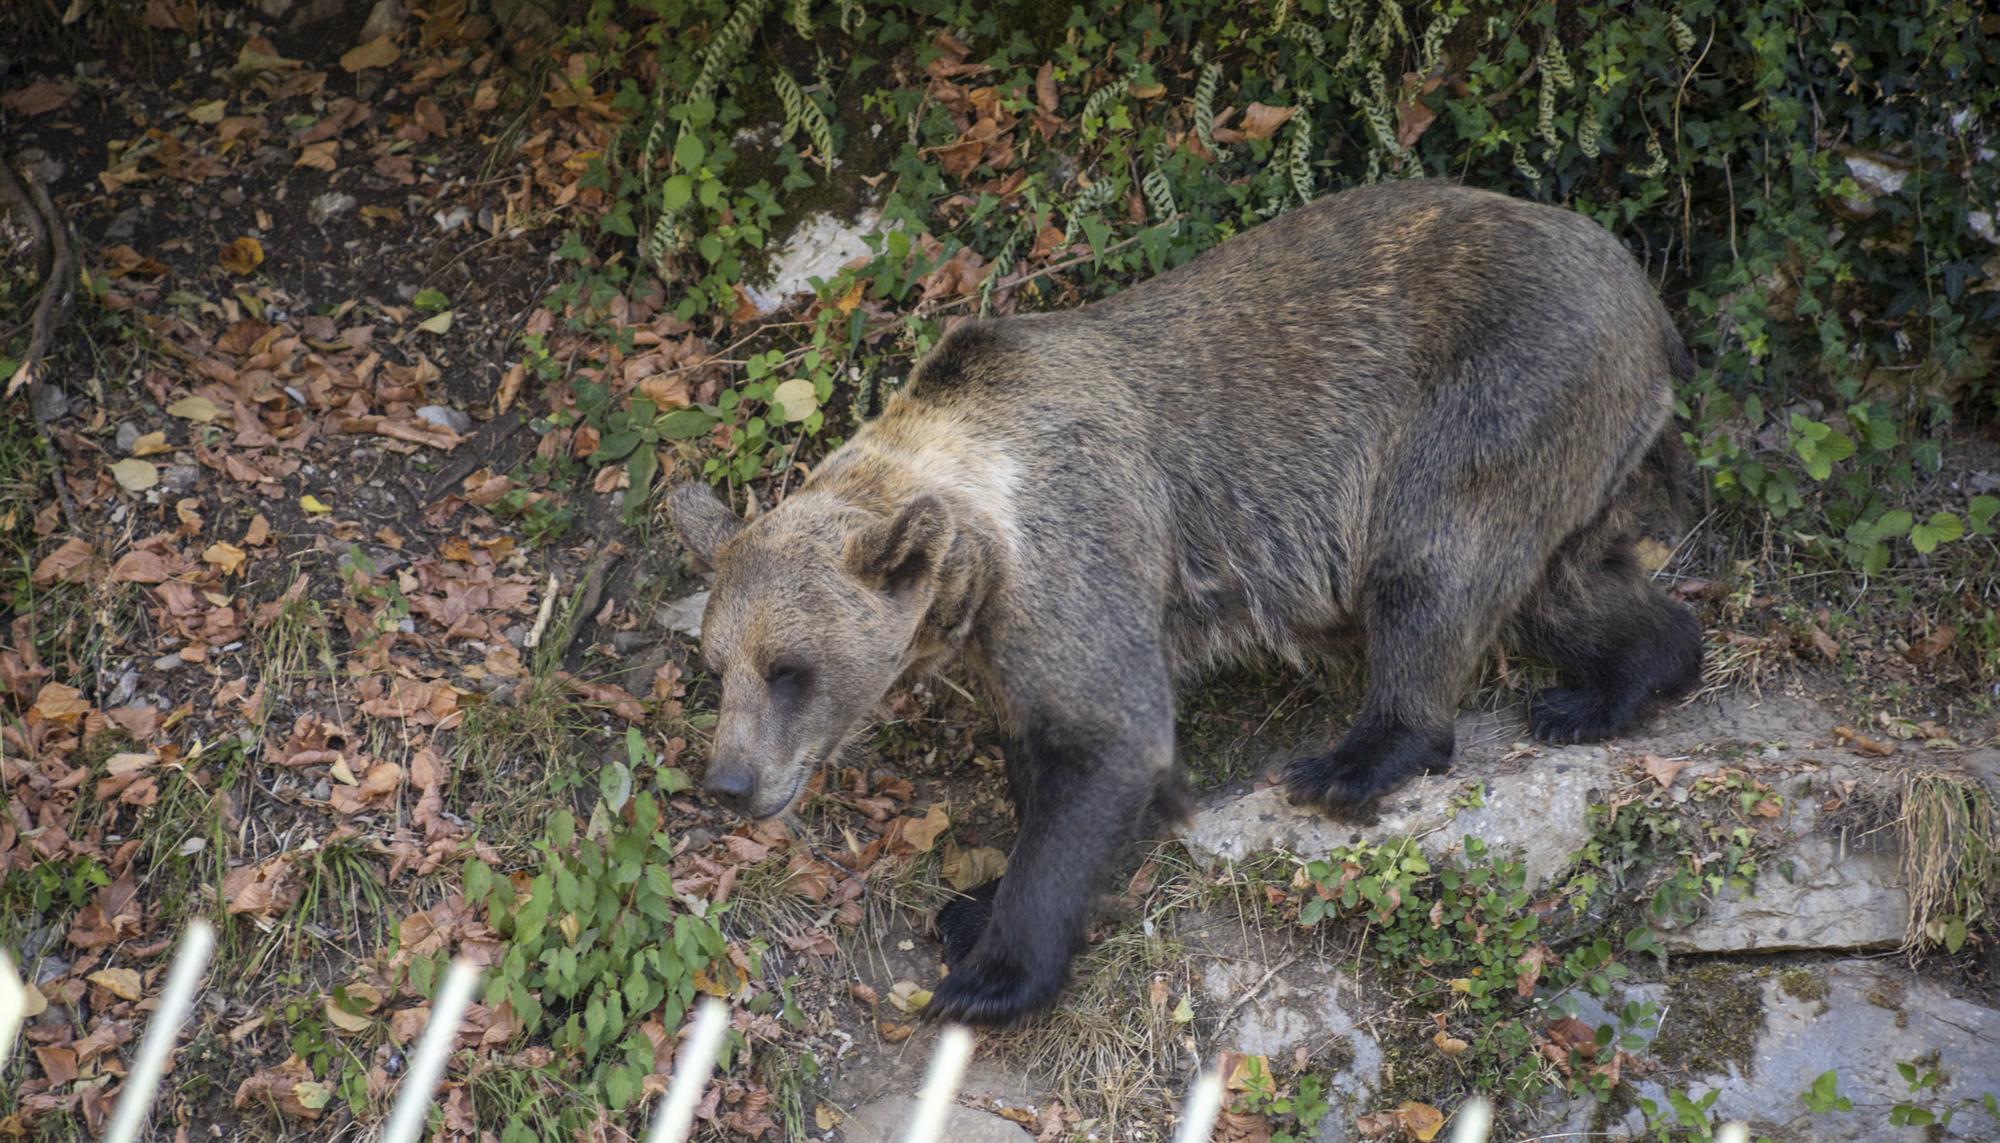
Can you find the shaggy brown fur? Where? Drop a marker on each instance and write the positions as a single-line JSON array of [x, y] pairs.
[[1409, 411]]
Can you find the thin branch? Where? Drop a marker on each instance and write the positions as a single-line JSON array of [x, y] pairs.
[[58, 291]]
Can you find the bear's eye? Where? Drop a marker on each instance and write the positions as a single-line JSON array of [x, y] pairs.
[[787, 674]]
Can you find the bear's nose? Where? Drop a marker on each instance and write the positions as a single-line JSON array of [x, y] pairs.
[[731, 783]]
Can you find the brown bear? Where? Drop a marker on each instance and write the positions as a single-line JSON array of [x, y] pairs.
[[1414, 411]]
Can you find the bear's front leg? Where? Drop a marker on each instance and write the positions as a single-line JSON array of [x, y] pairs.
[[1080, 790]]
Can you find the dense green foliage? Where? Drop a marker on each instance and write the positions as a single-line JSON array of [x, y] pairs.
[[1811, 186]]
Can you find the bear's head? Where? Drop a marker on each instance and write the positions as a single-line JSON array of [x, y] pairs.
[[813, 615]]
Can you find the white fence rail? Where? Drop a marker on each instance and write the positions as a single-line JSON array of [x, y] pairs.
[[693, 1067]]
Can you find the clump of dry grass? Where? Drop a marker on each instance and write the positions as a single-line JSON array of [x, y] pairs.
[[1950, 831]]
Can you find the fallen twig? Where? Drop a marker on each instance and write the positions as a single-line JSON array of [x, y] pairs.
[[58, 290]]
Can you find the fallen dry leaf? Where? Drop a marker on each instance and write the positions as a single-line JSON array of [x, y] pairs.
[[378, 52], [64, 565], [242, 256], [1863, 744], [1421, 1120], [58, 703], [193, 407], [966, 869], [225, 557], [318, 156], [1932, 645], [1529, 970], [1663, 770], [923, 832], [262, 890], [1261, 121], [37, 98], [120, 982], [378, 785], [135, 475], [908, 997], [289, 1087], [1573, 1035]]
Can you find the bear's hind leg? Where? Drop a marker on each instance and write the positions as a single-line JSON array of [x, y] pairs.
[[1619, 644]]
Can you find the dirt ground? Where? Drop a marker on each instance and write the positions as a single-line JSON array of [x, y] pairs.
[[340, 649]]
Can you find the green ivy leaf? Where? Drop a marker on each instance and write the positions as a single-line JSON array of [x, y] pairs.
[[677, 193], [689, 151]]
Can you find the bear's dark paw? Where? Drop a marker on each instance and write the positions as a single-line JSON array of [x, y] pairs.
[[994, 991], [962, 920], [1564, 716], [1371, 761]]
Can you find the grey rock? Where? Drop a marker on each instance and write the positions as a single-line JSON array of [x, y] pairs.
[[127, 688], [1870, 1017], [683, 615], [1307, 1004], [180, 479], [446, 417], [1540, 813], [326, 207], [315, 12], [123, 225], [168, 662], [387, 18], [48, 403], [1823, 890], [888, 1119], [1837, 898], [630, 642], [128, 435]]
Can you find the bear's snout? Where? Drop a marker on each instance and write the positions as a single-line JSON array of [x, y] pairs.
[[731, 782]]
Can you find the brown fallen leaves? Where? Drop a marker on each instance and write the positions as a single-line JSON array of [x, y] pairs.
[[265, 889], [1409, 1120]]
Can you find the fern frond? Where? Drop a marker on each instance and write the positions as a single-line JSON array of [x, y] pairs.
[[1100, 101], [1588, 130], [1298, 155], [1204, 106], [1657, 158], [792, 99], [1306, 36], [802, 112], [1158, 190], [1683, 35]]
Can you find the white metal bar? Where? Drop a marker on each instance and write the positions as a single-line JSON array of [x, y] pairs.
[[691, 1072], [954, 1051], [1475, 1121], [135, 1102], [13, 1007], [1204, 1103], [413, 1102]]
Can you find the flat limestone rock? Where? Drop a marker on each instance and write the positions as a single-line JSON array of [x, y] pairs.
[[1541, 812], [1837, 898], [1858, 1019]]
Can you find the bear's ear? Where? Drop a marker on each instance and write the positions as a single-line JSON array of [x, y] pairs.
[[703, 522], [894, 554]]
